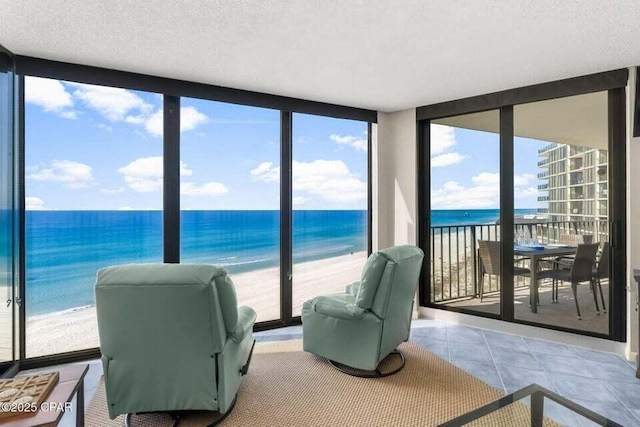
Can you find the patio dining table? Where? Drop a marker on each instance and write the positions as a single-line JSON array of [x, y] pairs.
[[535, 254]]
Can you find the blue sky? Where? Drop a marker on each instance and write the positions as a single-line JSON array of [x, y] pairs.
[[92, 147], [465, 171]]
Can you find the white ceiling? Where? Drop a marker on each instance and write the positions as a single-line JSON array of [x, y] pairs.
[[382, 55]]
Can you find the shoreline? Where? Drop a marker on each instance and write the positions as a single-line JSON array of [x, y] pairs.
[[76, 328]]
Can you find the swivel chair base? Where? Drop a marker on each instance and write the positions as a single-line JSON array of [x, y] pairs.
[[176, 415], [377, 373]]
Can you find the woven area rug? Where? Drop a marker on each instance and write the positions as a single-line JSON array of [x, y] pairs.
[[288, 387]]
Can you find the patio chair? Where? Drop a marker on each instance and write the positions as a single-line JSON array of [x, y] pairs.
[[601, 271], [570, 240], [581, 271], [575, 239], [489, 252]]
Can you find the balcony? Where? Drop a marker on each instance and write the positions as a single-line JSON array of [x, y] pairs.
[[547, 148], [543, 186], [543, 162], [454, 272], [542, 175], [543, 198]]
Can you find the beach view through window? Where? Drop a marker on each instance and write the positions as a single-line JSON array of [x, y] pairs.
[[94, 177], [329, 205]]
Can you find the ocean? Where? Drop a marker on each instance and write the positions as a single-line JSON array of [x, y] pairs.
[[66, 248]]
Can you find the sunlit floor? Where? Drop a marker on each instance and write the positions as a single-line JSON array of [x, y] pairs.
[[562, 313]]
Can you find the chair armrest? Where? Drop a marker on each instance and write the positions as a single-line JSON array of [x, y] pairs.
[[353, 288], [246, 319], [337, 309]]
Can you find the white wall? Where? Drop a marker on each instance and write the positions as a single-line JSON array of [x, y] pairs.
[[394, 203], [633, 216]]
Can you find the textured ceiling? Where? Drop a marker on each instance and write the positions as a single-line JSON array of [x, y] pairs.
[[383, 55]]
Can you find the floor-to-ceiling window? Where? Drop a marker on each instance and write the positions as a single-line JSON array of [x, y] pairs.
[[553, 173], [329, 205], [103, 166], [93, 176], [8, 213], [229, 197]]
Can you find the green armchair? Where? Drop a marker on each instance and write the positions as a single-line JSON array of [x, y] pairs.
[[172, 338], [362, 326]]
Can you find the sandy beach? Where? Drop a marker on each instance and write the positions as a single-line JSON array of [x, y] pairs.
[[76, 329]]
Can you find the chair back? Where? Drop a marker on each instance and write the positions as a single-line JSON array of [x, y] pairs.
[[161, 327], [490, 256], [582, 268], [575, 239], [388, 287], [602, 270]]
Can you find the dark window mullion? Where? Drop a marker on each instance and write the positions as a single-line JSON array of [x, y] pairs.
[[506, 213], [286, 216], [171, 180]]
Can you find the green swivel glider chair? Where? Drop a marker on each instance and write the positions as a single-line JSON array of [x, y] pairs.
[[172, 338], [357, 329]]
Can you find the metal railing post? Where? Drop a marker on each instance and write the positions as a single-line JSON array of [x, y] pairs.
[[474, 261]]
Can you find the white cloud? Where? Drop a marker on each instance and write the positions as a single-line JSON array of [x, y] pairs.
[[299, 200], [485, 193], [442, 138], [49, 94], [452, 195], [73, 174], [447, 159], [526, 192], [265, 172], [209, 189], [34, 203], [486, 179], [190, 118], [69, 114], [111, 102], [145, 174], [357, 142], [125, 208], [331, 180]]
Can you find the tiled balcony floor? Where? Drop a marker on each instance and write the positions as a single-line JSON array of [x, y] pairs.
[[602, 382]]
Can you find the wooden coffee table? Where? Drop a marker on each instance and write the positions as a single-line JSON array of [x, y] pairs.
[[71, 384]]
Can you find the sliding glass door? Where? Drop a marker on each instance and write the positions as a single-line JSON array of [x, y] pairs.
[[525, 206], [561, 146], [8, 215], [465, 212]]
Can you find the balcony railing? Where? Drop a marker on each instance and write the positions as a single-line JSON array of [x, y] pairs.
[[543, 198], [542, 175], [547, 147], [543, 186], [543, 162], [454, 253]]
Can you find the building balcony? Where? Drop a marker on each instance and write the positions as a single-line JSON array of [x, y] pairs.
[[545, 150], [543, 186]]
